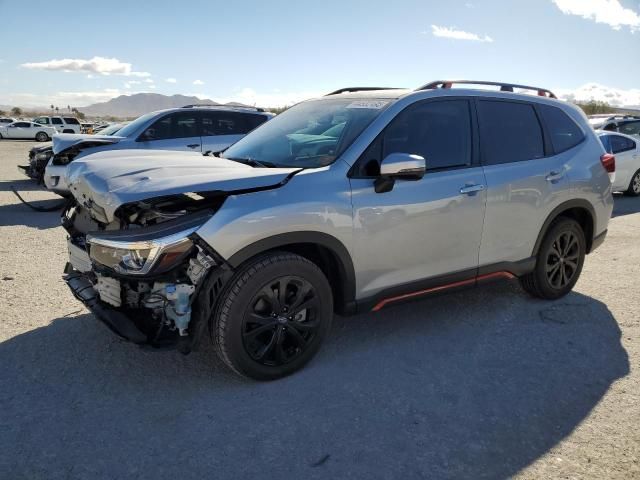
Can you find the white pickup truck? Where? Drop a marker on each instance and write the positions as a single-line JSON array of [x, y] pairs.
[[61, 124]]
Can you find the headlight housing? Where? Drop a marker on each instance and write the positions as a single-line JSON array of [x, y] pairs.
[[139, 257], [43, 156]]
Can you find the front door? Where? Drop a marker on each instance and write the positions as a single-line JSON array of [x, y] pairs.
[[424, 230]]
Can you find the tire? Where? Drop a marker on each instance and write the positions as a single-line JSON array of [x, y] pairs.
[[562, 252], [258, 335], [42, 137], [634, 185]]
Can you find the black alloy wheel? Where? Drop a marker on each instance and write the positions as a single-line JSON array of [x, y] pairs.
[[281, 321]]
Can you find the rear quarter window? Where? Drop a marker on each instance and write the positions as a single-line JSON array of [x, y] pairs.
[[563, 131], [254, 121], [509, 132]]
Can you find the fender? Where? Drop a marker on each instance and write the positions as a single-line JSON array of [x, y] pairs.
[[568, 205], [345, 264]]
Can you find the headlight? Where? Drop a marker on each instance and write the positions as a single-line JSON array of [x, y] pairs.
[[139, 257], [43, 156]]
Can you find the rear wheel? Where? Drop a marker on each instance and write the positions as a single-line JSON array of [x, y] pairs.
[[634, 185], [559, 261], [42, 137], [273, 317]]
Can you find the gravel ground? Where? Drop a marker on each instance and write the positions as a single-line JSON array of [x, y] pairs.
[[487, 383]]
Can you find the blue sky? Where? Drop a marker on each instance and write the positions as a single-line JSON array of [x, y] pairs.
[[280, 51]]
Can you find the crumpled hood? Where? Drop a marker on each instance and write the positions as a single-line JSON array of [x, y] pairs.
[[110, 179], [64, 141]]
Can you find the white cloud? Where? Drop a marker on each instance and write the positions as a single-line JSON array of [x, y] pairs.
[[98, 65], [148, 80], [131, 83], [451, 32], [609, 12], [152, 87], [171, 80], [615, 97], [198, 82], [249, 96]]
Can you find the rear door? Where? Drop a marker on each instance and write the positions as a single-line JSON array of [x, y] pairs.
[[223, 128], [175, 131], [56, 122], [526, 180]]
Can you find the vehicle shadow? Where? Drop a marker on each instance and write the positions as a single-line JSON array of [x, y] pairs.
[[20, 214], [470, 385], [624, 205]]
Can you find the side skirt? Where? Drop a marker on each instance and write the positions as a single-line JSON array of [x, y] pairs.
[[446, 283]]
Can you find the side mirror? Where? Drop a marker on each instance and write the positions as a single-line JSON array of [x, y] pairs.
[[396, 166]]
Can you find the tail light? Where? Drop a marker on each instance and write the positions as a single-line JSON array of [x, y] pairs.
[[609, 164]]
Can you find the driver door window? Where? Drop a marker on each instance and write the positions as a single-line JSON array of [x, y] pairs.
[[439, 131]]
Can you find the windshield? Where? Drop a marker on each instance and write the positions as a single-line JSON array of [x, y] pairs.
[[135, 125], [309, 135]]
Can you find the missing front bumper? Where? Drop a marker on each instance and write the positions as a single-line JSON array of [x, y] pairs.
[[118, 322]]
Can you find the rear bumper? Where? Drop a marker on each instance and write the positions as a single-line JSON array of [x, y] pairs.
[[119, 323], [598, 240]]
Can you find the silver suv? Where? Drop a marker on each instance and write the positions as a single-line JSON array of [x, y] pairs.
[[348, 203]]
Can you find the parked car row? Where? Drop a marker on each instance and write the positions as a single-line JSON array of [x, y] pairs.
[[179, 224]]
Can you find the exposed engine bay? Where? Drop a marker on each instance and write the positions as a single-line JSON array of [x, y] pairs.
[[160, 303]]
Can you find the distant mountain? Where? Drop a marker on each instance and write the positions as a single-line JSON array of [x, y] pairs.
[[141, 103]]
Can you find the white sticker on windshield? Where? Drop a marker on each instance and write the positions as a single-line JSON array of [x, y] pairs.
[[375, 104]]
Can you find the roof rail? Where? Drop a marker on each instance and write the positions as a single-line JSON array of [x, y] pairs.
[[360, 89], [504, 87], [244, 107]]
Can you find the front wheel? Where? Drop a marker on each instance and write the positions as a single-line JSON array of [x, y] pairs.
[[559, 261], [634, 185], [42, 137], [273, 316]]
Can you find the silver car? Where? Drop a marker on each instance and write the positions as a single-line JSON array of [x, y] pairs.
[[195, 128], [348, 203]]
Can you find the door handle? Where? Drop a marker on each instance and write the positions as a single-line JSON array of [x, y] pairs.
[[554, 176], [193, 145], [471, 189]]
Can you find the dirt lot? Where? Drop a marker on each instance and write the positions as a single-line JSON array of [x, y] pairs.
[[487, 383]]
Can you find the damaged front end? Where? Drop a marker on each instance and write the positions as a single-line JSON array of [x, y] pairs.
[[143, 273], [38, 159]]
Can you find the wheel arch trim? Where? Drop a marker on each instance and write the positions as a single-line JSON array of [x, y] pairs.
[[329, 242], [556, 212]]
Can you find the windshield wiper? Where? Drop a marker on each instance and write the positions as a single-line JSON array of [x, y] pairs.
[[251, 162]]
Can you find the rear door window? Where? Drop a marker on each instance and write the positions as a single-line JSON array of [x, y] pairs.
[[56, 121], [621, 144], [564, 132], [224, 123], [71, 121], [254, 121], [22, 124], [509, 132]]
